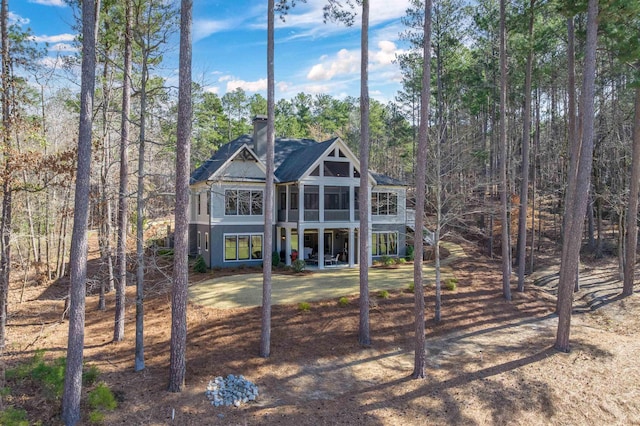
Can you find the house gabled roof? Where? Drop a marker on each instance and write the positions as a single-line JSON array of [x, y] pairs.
[[386, 180], [298, 162], [218, 160], [292, 159]]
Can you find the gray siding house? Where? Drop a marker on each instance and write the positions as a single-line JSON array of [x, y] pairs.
[[315, 204]]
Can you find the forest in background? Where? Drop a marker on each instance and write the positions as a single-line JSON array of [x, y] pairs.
[[509, 126], [40, 143]]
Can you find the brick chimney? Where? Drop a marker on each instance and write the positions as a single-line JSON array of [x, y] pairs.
[[260, 135]]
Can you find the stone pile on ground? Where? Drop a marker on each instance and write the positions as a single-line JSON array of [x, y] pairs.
[[232, 390]]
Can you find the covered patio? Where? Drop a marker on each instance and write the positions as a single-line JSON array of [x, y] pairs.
[[319, 247]]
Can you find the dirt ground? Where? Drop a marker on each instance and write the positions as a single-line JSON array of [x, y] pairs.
[[489, 361]]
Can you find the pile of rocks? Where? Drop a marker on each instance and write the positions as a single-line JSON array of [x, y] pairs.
[[232, 390]]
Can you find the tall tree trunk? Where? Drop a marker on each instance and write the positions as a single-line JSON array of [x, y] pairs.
[[265, 336], [504, 213], [79, 246], [178, 365], [440, 140], [578, 186], [421, 171], [524, 183], [5, 225], [536, 145], [139, 352], [364, 337], [123, 190], [62, 235], [632, 209]]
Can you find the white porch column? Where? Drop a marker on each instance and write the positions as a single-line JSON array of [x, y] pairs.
[[287, 201], [352, 203], [301, 203], [287, 245], [300, 242], [351, 252], [321, 203]]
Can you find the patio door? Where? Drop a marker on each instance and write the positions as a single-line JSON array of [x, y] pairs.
[[328, 243]]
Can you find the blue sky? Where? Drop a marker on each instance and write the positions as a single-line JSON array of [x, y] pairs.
[[229, 48]]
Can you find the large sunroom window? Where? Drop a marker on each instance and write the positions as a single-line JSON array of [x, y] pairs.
[[242, 247]]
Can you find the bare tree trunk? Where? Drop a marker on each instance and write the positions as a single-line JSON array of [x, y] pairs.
[[364, 337], [123, 196], [536, 146], [421, 172], [506, 249], [265, 336], [62, 236], [632, 212], [524, 183], [5, 225], [178, 363], [578, 186], [78, 263], [139, 352]]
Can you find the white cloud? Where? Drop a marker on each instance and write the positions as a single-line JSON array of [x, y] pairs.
[[345, 62], [59, 62], [386, 53], [57, 3], [283, 86], [17, 19], [59, 38], [63, 47], [310, 17], [247, 86], [212, 89], [225, 78], [315, 89], [203, 28]]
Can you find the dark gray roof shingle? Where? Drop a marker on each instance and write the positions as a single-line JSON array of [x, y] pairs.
[[386, 180], [298, 161], [292, 157], [214, 163]]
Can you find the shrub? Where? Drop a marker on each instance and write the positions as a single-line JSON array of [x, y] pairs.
[[387, 260], [102, 398], [410, 253], [90, 375], [343, 301], [298, 265], [400, 260], [13, 417], [383, 294], [200, 266], [412, 287], [451, 284], [304, 307], [275, 259], [51, 376], [96, 417], [165, 252]]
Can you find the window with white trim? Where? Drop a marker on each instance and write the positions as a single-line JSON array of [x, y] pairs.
[[242, 247], [206, 241], [199, 240], [384, 243], [240, 202], [384, 203]]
